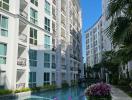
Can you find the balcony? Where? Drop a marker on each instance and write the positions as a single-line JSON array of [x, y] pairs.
[[23, 38], [54, 13], [63, 33], [23, 8], [54, 2], [24, 13], [63, 7], [21, 61]]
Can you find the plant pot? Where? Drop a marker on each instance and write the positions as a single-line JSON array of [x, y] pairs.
[[98, 98]]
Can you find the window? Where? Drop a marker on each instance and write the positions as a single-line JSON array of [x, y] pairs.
[[33, 16], [3, 50], [53, 78], [4, 4], [33, 36], [32, 79], [35, 2], [47, 24], [2, 79], [3, 25], [47, 42], [46, 78], [33, 58], [53, 62], [46, 60], [47, 7]]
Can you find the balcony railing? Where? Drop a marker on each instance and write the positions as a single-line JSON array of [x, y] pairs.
[[24, 13], [63, 10], [21, 61], [63, 24], [54, 2], [23, 38]]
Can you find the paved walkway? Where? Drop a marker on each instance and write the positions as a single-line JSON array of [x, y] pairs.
[[118, 94]]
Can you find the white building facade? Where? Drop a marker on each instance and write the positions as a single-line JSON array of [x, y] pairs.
[[94, 43], [40, 42]]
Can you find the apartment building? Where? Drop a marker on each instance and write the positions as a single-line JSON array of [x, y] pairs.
[[94, 43], [40, 42], [102, 42]]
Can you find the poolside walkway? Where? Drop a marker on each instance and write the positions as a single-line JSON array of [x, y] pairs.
[[118, 94]]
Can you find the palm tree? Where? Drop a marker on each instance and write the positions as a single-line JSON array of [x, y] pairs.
[[120, 29]]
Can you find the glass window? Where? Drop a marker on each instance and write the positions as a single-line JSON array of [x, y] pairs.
[[47, 24], [33, 16], [4, 4], [32, 79], [46, 60], [33, 58], [46, 78], [35, 2], [3, 25], [47, 7], [33, 36], [53, 62], [3, 50], [47, 42]]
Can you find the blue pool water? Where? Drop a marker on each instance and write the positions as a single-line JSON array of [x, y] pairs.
[[75, 93]]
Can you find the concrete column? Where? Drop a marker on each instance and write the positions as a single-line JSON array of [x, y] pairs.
[[58, 42], [68, 74]]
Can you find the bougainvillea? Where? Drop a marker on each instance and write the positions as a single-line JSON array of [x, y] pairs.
[[99, 89]]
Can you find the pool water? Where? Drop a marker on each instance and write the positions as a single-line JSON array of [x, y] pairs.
[[75, 93]]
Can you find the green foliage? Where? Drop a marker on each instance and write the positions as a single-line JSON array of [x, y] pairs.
[[49, 87], [120, 29], [74, 83], [5, 92], [22, 90], [123, 82], [114, 80], [64, 85]]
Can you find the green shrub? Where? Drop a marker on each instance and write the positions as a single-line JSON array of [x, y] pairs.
[[74, 83], [49, 87], [123, 82], [5, 92], [22, 90], [64, 85], [114, 80], [36, 88]]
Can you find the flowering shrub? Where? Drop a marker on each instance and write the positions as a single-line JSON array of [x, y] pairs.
[[98, 90]]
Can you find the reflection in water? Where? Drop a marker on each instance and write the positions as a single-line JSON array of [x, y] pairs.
[[75, 93]]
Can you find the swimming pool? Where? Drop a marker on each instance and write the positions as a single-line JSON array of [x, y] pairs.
[[75, 93]]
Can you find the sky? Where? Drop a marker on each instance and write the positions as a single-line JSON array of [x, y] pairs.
[[91, 11]]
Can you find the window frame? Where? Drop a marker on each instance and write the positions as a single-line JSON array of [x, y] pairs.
[[47, 81], [4, 57], [47, 62], [47, 45], [2, 4], [35, 2], [47, 24], [32, 18], [2, 28], [47, 7], [35, 61], [32, 82], [34, 40]]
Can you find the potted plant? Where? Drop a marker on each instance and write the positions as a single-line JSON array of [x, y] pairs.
[[99, 91]]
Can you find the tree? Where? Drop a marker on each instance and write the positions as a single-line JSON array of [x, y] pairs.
[[120, 29]]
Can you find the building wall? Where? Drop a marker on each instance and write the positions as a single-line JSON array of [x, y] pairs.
[[94, 44], [15, 73]]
